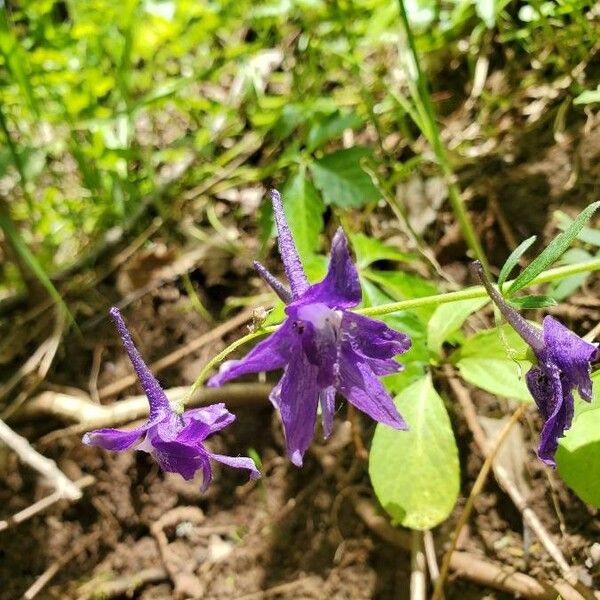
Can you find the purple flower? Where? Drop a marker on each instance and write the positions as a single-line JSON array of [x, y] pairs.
[[322, 347], [174, 440], [564, 363]]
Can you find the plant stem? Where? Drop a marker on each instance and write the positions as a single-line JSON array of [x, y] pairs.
[[478, 291], [422, 96], [219, 357], [384, 309]]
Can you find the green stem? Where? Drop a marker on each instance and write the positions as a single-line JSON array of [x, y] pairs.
[[432, 132], [219, 357], [478, 291], [384, 309]]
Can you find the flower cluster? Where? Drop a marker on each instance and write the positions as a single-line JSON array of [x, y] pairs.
[[326, 349], [564, 363]]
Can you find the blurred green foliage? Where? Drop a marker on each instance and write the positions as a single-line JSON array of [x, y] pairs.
[[104, 101]]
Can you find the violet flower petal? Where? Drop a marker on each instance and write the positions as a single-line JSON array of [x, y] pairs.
[[274, 283], [297, 396], [341, 286], [238, 462], [114, 439], [202, 422], [174, 457], [327, 401], [555, 403], [287, 250], [359, 385], [268, 355], [572, 355]]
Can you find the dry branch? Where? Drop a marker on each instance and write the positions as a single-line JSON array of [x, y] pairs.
[[42, 504], [89, 415], [468, 565], [46, 467]]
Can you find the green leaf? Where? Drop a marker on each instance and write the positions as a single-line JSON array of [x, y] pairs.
[[554, 250], [559, 290], [329, 128], [304, 211], [447, 319], [342, 180], [404, 286], [588, 97], [524, 302], [513, 259], [18, 244], [369, 250], [485, 361], [587, 234], [415, 473], [578, 453]]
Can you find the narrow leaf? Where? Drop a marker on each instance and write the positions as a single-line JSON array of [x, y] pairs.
[[554, 250], [523, 302], [513, 259], [19, 246]]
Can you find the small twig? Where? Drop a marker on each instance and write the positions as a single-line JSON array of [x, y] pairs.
[[125, 586], [95, 372], [418, 568], [172, 358], [432, 565], [43, 504], [280, 589], [466, 564], [475, 491], [57, 565], [506, 483], [27, 453], [89, 415], [359, 447], [184, 582]]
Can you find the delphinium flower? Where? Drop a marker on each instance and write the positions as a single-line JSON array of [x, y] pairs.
[[322, 346], [174, 439], [563, 364]]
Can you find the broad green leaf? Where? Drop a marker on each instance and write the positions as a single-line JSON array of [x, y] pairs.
[[329, 128], [304, 211], [447, 319], [485, 361], [403, 286], [415, 473], [369, 250], [342, 180], [513, 259], [555, 249], [578, 454], [524, 302]]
